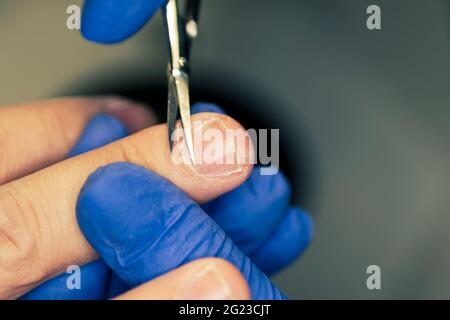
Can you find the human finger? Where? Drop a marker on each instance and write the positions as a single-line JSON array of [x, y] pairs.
[[37, 134], [37, 212], [203, 279]]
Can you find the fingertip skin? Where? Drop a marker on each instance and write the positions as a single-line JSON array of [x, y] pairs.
[[112, 21], [287, 243], [143, 226]]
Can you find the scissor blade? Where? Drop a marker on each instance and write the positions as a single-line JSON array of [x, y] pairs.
[[182, 85], [172, 110]]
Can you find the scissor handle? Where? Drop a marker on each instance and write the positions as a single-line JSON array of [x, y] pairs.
[[182, 30]]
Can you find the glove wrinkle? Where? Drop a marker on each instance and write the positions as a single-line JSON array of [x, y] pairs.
[[167, 228]]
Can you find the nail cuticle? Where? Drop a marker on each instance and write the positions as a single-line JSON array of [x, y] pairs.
[[216, 165]]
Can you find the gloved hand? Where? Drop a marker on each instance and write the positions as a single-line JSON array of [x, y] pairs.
[[112, 21], [39, 235], [263, 226]]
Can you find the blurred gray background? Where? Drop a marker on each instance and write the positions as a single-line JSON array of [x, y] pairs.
[[364, 118]]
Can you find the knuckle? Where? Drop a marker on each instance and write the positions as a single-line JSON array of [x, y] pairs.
[[129, 150], [59, 120], [5, 152], [19, 265]]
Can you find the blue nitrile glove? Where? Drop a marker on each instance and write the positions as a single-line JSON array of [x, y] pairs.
[[150, 227], [263, 226], [112, 21]]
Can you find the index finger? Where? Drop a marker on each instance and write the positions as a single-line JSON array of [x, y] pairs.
[[39, 235]]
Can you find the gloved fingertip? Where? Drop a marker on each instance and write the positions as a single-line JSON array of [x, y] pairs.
[[287, 243], [308, 224], [143, 226], [101, 130], [119, 210], [95, 200], [206, 107], [113, 21]]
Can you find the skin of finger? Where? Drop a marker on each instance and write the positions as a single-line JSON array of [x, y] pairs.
[[112, 21], [170, 285], [37, 134], [101, 130], [37, 213], [55, 124]]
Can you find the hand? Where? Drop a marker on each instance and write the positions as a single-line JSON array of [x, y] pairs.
[[41, 261], [270, 232], [112, 21]]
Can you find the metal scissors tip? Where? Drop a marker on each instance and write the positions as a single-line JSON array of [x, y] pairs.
[[181, 30]]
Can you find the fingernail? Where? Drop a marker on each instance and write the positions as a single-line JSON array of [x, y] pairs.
[[220, 149], [135, 115], [207, 283]]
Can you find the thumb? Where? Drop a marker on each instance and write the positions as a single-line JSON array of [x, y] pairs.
[[143, 226]]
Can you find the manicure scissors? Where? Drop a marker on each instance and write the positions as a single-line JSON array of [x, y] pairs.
[[182, 29]]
